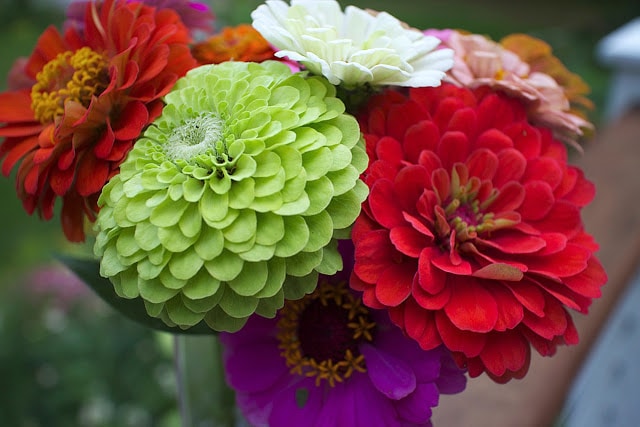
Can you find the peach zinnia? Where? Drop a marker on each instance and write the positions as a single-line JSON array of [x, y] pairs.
[[93, 93]]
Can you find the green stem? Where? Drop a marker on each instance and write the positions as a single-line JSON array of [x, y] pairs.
[[204, 397]]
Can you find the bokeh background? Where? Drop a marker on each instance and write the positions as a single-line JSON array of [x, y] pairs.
[[66, 359]]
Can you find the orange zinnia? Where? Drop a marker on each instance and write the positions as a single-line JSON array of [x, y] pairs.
[[240, 43], [93, 93]]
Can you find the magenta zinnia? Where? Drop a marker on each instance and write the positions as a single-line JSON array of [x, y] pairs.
[[472, 235], [328, 360], [93, 92]]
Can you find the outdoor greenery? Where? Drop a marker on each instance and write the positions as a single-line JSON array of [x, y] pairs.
[[81, 364]]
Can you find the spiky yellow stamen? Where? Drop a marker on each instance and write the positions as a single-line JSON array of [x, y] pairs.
[[71, 76]]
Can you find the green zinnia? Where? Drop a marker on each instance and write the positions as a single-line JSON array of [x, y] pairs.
[[232, 200]]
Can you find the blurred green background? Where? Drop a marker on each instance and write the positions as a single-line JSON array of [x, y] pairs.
[[68, 360]]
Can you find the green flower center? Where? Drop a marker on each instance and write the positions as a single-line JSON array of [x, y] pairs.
[[197, 136]]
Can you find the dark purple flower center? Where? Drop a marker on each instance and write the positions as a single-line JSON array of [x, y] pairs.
[[324, 333], [320, 334]]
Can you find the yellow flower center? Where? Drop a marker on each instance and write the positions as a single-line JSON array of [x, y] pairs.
[[319, 334], [75, 76]]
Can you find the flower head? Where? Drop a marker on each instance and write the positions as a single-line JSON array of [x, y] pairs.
[[524, 67], [92, 94], [354, 47], [472, 235], [195, 15], [231, 200], [327, 357], [239, 43]]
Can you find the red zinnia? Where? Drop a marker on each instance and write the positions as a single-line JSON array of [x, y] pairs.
[[93, 93], [472, 235]]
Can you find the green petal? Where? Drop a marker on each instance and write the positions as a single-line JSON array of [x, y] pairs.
[[185, 265], [193, 189], [209, 244], [320, 231], [225, 267], [236, 305], [344, 209], [180, 314], [190, 223], [303, 263], [218, 320], [154, 291], [168, 213], [295, 238], [241, 194], [173, 239], [269, 228], [268, 307], [202, 285], [275, 279], [297, 287], [214, 206], [251, 279], [146, 235], [320, 194]]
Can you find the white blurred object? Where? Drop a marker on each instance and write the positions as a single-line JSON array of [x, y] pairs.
[[620, 51]]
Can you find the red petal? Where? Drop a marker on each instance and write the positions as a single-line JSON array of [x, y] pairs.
[[443, 262], [544, 169], [420, 325], [509, 198], [529, 295], [431, 279], [510, 311], [503, 352], [430, 301], [471, 307], [469, 343], [131, 121], [583, 192], [16, 107], [373, 252], [570, 261], [394, 284], [408, 241], [494, 139], [389, 150], [512, 242], [482, 163], [512, 166], [421, 136], [563, 218], [61, 180], [71, 216], [92, 175], [589, 281], [16, 152], [553, 323], [538, 201], [453, 148], [384, 205], [409, 185]]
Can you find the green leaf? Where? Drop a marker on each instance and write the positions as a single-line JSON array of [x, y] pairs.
[[133, 309]]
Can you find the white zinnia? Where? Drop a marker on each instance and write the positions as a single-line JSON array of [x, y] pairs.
[[353, 47]]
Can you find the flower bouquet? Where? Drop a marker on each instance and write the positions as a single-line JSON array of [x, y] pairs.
[[356, 215]]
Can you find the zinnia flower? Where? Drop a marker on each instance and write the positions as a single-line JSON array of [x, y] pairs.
[[195, 15], [230, 201], [328, 360], [472, 235], [354, 47], [239, 43], [92, 95], [544, 85]]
